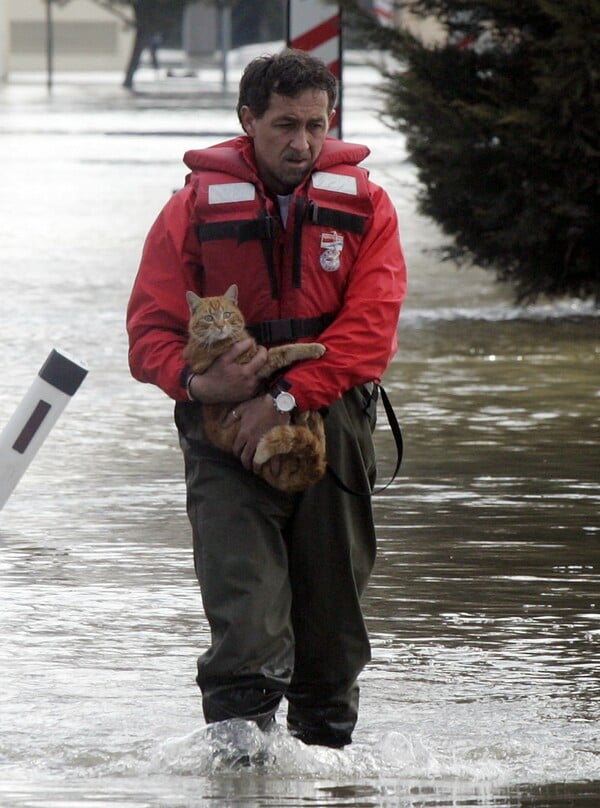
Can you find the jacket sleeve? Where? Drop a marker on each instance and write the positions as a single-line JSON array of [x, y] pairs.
[[363, 338], [157, 314]]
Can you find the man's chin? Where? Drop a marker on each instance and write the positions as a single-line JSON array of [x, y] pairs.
[[293, 176]]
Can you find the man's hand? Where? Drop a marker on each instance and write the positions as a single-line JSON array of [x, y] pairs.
[[226, 379], [256, 417]]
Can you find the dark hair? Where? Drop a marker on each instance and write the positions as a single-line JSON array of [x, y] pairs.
[[287, 73]]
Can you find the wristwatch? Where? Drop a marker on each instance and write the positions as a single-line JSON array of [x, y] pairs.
[[283, 401]]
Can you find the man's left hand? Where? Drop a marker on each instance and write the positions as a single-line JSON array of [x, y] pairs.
[[256, 417]]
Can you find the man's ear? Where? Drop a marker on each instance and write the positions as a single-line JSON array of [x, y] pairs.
[[247, 120], [331, 117]]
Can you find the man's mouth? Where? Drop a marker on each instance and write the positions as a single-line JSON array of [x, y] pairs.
[[296, 159]]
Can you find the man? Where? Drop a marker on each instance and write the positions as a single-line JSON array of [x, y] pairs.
[[284, 212]]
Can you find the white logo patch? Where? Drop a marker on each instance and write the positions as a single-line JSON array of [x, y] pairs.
[[230, 192], [332, 245], [338, 183]]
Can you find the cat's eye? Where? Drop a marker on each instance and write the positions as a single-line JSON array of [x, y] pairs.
[[226, 315], [209, 318]]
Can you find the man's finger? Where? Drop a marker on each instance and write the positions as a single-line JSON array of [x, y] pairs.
[[238, 348], [259, 360]]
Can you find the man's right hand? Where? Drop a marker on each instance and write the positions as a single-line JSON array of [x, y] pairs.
[[228, 380]]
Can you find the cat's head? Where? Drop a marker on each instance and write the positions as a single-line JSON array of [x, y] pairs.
[[213, 319]]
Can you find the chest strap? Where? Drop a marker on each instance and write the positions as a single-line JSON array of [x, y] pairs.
[[265, 227], [270, 332], [330, 217]]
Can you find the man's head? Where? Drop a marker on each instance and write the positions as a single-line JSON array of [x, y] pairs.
[[288, 73], [285, 105]]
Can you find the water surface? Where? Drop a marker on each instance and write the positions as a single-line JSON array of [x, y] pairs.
[[484, 608]]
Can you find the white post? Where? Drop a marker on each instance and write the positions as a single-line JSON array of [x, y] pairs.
[[384, 12], [316, 27], [57, 381], [225, 39], [3, 41], [49, 46]]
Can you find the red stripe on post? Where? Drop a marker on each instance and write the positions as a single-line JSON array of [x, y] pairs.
[[318, 35]]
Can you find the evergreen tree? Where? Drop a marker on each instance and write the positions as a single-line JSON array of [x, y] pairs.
[[501, 118]]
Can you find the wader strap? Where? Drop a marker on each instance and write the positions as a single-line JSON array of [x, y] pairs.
[[329, 217], [397, 433], [270, 332]]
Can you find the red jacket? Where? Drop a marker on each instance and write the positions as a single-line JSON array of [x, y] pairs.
[[338, 255]]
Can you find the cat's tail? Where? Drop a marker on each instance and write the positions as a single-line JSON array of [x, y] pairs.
[[301, 451]]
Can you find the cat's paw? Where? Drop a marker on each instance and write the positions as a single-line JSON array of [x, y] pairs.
[[317, 350]]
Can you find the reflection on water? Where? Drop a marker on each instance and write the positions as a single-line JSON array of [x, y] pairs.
[[484, 608]]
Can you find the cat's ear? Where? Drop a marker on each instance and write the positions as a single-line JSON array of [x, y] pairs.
[[232, 293], [192, 300]]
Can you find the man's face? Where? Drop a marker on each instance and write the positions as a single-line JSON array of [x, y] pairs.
[[288, 137]]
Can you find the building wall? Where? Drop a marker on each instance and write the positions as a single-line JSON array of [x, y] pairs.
[[200, 32], [86, 37]]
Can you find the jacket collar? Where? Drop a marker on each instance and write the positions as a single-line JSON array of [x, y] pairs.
[[236, 157]]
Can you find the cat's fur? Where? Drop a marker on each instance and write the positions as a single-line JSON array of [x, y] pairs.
[[215, 324]]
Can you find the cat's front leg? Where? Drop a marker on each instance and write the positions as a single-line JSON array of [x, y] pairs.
[[284, 355]]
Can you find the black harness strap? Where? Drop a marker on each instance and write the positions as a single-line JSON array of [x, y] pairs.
[[396, 432], [271, 225], [330, 217], [270, 332], [297, 255], [239, 229]]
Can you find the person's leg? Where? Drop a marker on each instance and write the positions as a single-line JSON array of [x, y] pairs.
[[332, 550], [242, 566]]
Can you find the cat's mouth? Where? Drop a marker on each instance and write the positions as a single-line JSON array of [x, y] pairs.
[[217, 336]]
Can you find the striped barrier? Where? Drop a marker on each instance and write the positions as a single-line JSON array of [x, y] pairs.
[[384, 12], [316, 27]]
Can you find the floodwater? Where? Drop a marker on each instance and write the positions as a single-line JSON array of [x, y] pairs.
[[484, 608]]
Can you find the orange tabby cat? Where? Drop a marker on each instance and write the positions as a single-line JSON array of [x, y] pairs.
[[216, 323]]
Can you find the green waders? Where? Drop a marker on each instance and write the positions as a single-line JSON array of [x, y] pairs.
[[281, 577]]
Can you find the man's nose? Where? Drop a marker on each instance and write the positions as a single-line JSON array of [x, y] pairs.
[[300, 141]]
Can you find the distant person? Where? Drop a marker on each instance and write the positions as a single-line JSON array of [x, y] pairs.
[[153, 46], [286, 214]]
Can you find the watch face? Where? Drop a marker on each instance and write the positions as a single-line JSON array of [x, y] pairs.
[[285, 402]]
